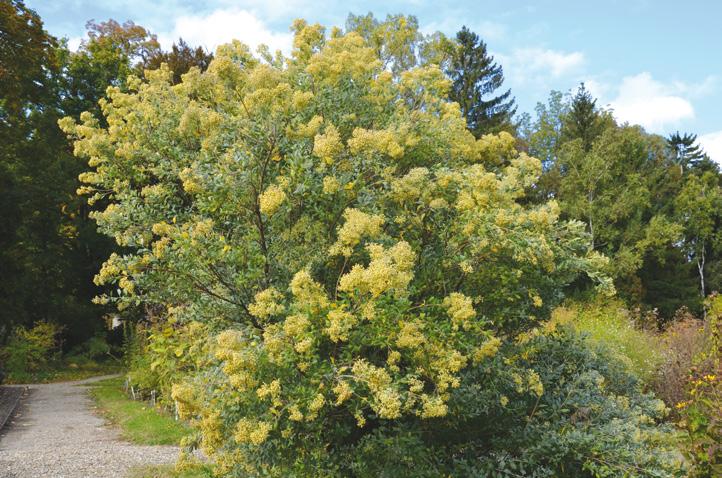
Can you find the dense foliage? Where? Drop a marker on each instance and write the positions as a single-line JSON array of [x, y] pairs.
[[49, 247], [651, 205], [366, 274]]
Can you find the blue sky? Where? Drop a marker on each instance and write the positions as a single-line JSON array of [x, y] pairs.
[[656, 63]]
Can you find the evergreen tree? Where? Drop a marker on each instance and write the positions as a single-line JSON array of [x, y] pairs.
[[584, 120], [179, 59], [476, 77], [684, 151]]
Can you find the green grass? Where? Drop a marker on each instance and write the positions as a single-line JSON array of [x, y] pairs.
[[64, 372], [169, 471], [608, 324], [139, 422]]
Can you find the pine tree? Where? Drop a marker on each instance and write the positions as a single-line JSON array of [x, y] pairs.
[[583, 121], [476, 76], [683, 150]]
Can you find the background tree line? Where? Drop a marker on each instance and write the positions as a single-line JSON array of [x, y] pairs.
[[650, 203], [49, 248]]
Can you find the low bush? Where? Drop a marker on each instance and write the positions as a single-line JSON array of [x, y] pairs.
[[701, 412], [579, 414], [682, 344], [30, 350]]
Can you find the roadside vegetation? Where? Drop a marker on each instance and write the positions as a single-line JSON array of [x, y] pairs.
[[139, 421], [33, 355]]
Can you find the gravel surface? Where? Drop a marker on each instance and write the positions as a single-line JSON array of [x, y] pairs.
[[54, 433]]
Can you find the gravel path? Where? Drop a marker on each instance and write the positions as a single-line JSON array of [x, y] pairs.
[[54, 433]]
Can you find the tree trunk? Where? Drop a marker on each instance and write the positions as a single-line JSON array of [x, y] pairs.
[[700, 268]]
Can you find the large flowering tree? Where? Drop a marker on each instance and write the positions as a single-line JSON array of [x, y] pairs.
[[352, 247]]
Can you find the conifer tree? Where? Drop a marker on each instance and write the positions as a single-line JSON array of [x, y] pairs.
[[584, 119], [684, 151], [476, 77]]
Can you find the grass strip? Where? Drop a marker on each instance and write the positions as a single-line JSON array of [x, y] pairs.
[[139, 422]]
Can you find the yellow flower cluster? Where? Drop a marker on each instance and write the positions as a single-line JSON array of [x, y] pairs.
[[191, 184], [307, 130], [330, 185], [240, 360], [496, 148], [315, 406], [461, 309], [266, 304], [534, 383], [301, 99], [308, 292], [295, 326], [186, 398], [110, 270], [343, 392], [410, 335], [487, 350], [344, 57], [252, 431], [387, 400], [340, 323], [358, 224], [271, 199], [375, 141], [328, 145], [272, 391], [307, 39], [389, 270], [433, 406], [411, 186]]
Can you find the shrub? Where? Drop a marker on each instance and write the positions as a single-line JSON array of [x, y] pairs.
[[163, 353], [611, 326], [363, 266], [702, 411], [30, 350], [683, 342]]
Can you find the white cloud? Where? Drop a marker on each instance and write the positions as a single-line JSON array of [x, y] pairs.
[[74, 43], [223, 25], [654, 105], [712, 145], [526, 65]]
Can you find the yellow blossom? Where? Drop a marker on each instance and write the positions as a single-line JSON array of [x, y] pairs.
[[343, 392], [327, 146], [271, 199], [294, 413], [340, 323], [433, 406], [389, 269], [266, 304], [358, 225], [487, 350], [330, 185], [410, 335], [307, 291], [252, 431], [460, 309]]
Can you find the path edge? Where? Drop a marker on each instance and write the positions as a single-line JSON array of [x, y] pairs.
[[18, 392]]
